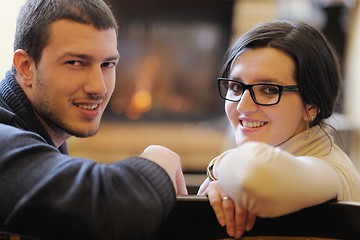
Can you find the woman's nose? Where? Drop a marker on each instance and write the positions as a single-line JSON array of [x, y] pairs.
[[246, 103]]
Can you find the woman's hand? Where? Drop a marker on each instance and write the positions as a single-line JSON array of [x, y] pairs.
[[203, 187], [228, 213]]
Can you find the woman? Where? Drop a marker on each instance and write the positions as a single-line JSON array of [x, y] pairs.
[[280, 82]]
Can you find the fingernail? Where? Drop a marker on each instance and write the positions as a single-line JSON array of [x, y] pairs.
[[239, 233], [222, 223], [231, 232]]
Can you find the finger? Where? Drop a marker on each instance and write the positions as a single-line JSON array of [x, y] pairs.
[[180, 183], [250, 221], [229, 212], [240, 219], [215, 202], [203, 186]]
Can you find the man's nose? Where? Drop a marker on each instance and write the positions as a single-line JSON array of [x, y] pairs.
[[95, 84]]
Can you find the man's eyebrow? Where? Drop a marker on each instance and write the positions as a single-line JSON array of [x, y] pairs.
[[71, 54], [88, 57], [113, 58]]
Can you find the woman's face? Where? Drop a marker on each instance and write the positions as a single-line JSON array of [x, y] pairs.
[[269, 124]]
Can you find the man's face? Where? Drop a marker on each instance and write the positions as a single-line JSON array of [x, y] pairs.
[[74, 79]]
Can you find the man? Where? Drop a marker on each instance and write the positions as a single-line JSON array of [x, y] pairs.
[[62, 77]]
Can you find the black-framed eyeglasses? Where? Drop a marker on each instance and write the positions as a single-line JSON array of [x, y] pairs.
[[264, 94]]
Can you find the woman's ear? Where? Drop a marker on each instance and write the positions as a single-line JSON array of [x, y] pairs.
[[311, 112], [24, 65]]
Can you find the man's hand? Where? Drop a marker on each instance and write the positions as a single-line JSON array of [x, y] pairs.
[[170, 162]]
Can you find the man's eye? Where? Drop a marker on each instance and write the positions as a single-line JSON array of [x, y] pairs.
[[75, 63], [108, 64]]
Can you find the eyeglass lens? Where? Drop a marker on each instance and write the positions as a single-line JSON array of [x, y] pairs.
[[266, 94]]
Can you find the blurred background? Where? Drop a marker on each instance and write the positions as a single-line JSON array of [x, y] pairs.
[[171, 54]]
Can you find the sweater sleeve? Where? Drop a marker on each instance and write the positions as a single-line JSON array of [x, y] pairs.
[[271, 182], [50, 195]]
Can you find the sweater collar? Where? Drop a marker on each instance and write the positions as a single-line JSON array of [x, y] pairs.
[[20, 105], [315, 141]]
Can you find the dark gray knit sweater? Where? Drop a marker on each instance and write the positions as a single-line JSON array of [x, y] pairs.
[[45, 193]]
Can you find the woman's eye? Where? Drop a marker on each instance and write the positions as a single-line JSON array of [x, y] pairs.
[[271, 90], [235, 87]]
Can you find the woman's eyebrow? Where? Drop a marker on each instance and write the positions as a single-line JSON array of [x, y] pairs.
[[261, 80]]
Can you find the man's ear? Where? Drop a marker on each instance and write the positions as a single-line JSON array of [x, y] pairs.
[[24, 65]]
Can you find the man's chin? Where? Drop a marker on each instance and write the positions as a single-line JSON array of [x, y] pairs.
[[83, 133]]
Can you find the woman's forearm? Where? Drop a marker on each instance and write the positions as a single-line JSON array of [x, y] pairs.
[[271, 182]]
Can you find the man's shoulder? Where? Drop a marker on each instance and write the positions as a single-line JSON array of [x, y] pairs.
[[6, 116], [13, 136], [7, 122]]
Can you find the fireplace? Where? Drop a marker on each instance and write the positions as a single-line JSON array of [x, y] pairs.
[[171, 54]]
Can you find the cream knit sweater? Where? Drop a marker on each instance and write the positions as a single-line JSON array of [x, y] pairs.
[[306, 170]]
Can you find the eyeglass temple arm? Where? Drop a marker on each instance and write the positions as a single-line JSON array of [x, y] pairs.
[[294, 88]]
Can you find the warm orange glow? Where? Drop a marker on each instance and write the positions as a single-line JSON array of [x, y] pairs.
[[142, 101]]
